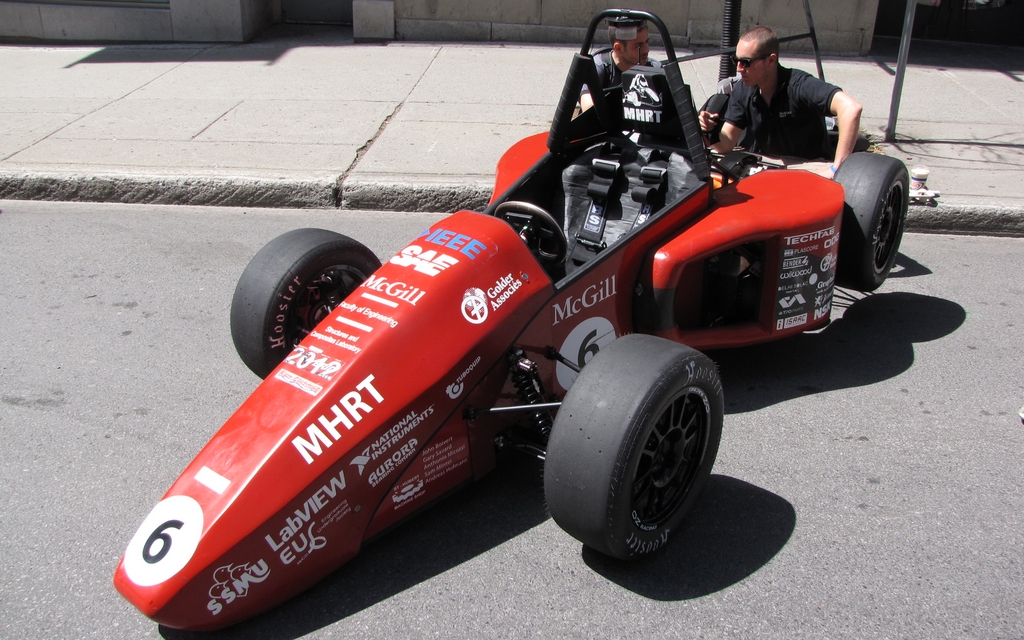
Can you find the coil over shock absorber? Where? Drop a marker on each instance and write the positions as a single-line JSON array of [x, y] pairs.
[[531, 390]]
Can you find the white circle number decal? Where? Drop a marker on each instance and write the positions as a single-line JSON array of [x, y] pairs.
[[581, 345], [165, 542]]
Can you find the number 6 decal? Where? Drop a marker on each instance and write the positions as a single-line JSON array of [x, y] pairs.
[[165, 542]]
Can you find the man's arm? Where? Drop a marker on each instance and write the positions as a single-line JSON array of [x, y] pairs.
[[847, 112]]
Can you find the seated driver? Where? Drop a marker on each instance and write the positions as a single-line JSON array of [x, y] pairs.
[[630, 46]]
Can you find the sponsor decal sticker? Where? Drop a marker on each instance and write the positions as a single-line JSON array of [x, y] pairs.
[[428, 262], [298, 382], [313, 359], [232, 581], [462, 243], [391, 437], [393, 290], [795, 263], [474, 306], [409, 490], [789, 323], [455, 389], [390, 464], [502, 290], [809, 237], [297, 538]]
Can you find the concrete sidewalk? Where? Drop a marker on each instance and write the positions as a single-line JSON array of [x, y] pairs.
[[302, 117]]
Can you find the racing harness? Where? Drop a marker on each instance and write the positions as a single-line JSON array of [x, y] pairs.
[[609, 191]]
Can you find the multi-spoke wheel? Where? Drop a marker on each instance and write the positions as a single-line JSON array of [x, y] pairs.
[[633, 445], [289, 286], [873, 218]]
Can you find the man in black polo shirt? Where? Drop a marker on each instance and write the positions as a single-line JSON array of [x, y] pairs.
[[784, 109]]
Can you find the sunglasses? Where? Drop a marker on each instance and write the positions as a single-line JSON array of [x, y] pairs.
[[746, 62]]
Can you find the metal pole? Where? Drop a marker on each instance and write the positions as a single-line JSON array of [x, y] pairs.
[[814, 39], [901, 69]]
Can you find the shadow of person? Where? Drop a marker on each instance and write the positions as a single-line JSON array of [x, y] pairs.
[[873, 341], [735, 530], [506, 503]]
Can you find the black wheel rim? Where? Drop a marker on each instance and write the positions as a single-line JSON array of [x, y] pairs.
[[883, 237], [670, 460], [319, 296]]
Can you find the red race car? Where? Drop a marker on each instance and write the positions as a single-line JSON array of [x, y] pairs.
[[563, 321]]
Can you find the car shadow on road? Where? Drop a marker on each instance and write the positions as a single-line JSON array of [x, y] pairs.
[[872, 341], [736, 529], [504, 504]]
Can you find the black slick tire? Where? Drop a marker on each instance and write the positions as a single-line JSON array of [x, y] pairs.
[[289, 286], [633, 445], [877, 195]]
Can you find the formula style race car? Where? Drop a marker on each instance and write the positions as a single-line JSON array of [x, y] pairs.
[[563, 321]]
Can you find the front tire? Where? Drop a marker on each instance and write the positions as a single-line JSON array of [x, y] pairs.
[[633, 445], [873, 219], [289, 286]]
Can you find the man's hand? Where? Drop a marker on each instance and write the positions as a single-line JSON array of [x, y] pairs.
[[708, 120]]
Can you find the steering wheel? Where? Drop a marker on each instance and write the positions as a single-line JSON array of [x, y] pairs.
[[538, 229]]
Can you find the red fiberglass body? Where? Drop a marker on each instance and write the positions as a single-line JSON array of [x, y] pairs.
[[374, 415], [364, 423]]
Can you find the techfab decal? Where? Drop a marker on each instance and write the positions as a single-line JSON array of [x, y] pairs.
[[372, 314], [165, 541], [456, 388], [592, 295], [396, 290], [297, 539], [428, 262], [809, 237], [391, 437], [232, 581], [474, 306], [392, 463], [644, 101], [502, 290], [582, 344], [313, 359], [348, 411], [462, 243]]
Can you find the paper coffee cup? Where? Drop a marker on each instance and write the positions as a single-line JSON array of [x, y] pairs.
[[918, 178]]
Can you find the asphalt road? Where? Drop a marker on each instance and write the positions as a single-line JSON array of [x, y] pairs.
[[869, 482]]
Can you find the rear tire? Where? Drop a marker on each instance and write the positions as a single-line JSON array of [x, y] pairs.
[[633, 445], [289, 286], [873, 219]]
